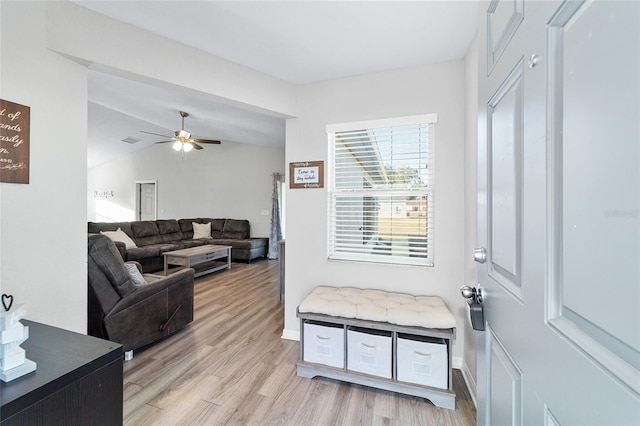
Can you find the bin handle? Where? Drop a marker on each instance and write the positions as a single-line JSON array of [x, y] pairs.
[[419, 355], [368, 349]]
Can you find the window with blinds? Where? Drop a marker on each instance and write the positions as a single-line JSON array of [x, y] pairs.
[[380, 182]]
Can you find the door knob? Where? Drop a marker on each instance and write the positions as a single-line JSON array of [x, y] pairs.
[[480, 254], [475, 310], [472, 294], [467, 291]]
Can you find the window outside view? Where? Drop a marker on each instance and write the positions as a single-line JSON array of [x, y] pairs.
[[380, 194]]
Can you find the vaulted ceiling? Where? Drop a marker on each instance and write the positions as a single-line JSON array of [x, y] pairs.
[[300, 42]]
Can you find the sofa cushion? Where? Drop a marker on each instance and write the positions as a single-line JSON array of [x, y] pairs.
[[183, 244], [164, 247], [217, 225], [120, 235], [186, 227], [96, 227], [144, 228], [201, 230], [143, 252], [105, 256], [135, 274], [145, 233], [233, 235], [169, 230], [244, 244], [234, 228], [378, 305]]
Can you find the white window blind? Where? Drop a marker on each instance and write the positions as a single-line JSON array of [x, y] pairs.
[[380, 183]]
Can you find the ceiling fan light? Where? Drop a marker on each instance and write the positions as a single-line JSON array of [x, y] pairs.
[[177, 145], [183, 134], [187, 147]]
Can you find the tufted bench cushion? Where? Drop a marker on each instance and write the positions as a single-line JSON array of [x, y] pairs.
[[378, 305]]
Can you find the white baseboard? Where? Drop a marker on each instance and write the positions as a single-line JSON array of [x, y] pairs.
[[456, 362], [471, 384], [291, 335]]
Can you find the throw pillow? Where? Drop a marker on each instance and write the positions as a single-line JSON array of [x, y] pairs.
[[119, 235], [201, 230], [135, 274]]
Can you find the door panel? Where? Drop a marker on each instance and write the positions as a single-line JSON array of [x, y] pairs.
[[506, 384], [558, 211], [596, 180], [505, 187], [148, 201], [503, 19]]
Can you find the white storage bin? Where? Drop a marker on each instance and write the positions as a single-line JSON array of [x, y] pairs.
[[324, 344], [422, 360], [369, 351]]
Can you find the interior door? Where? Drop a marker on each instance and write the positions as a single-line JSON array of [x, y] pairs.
[[559, 190], [146, 201]]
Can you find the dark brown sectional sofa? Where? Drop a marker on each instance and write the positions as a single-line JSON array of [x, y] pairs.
[[153, 238]]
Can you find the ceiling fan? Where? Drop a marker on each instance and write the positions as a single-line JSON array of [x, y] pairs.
[[182, 140]]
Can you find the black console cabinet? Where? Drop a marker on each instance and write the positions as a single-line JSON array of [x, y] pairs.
[[78, 381]]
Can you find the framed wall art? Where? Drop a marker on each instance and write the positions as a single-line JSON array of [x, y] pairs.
[[14, 142], [306, 174]]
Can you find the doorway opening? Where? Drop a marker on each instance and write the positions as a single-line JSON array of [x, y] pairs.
[[146, 200]]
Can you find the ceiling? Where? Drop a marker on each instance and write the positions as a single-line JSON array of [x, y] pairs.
[[297, 41]]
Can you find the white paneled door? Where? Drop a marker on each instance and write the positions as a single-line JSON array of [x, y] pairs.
[[559, 214], [146, 203]]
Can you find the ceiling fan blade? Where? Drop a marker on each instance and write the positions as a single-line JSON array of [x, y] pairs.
[[157, 134], [195, 145], [166, 141], [206, 141]]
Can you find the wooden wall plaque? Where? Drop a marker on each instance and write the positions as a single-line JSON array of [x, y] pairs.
[[306, 174], [14, 142]]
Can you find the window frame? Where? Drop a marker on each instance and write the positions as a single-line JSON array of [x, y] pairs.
[[427, 191]]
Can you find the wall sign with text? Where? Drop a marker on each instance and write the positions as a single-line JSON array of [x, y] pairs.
[[306, 174], [14, 142]]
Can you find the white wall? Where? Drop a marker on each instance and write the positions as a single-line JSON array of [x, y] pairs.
[[115, 47], [469, 368], [49, 215], [431, 89], [204, 184], [230, 180], [43, 247], [43, 224]]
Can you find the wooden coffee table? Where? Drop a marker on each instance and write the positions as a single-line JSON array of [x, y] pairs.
[[195, 256]]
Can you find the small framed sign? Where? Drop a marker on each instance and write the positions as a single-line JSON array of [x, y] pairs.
[[306, 174], [14, 142]]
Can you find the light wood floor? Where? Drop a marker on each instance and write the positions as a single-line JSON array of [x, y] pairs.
[[230, 366]]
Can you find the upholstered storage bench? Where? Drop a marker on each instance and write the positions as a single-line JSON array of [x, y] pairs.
[[392, 341]]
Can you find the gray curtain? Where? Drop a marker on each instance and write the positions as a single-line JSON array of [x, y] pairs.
[[276, 230]]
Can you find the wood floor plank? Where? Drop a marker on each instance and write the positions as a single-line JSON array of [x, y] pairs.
[[359, 410], [386, 404], [282, 405], [283, 373], [316, 406], [144, 415], [230, 366], [206, 416], [188, 392], [185, 413]]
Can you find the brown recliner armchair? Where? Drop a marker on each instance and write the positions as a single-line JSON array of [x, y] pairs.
[[134, 316]]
